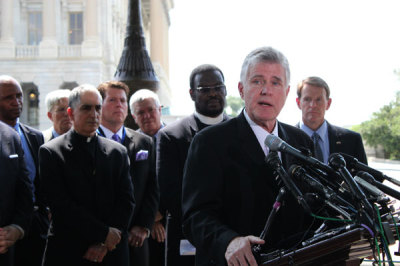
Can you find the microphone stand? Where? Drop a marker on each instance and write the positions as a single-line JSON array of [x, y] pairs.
[[271, 217]]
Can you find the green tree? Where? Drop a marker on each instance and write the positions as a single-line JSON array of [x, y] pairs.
[[384, 129], [234, 105]]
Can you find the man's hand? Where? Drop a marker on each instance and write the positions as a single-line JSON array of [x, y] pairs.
[[8, 236], [158, 232], [137, 235], [239, 252], [96, 253], [113, 238]]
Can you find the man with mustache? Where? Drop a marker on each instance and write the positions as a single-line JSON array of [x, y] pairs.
[[87, 183], [313, 99], [208, 91], [28, 251], [57, 105]]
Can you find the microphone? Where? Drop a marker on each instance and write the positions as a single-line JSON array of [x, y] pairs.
[[274, 143], [354, 163], [372, 190], [301, 174], [370, 179], [273, 161], [337, 162]]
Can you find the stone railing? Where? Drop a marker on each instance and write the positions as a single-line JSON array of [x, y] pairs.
[[26, 51]]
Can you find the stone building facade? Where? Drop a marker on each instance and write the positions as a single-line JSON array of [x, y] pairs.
[[53, 44]]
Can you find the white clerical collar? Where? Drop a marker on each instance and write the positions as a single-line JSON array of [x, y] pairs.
[[108, 133], [261, 133], [209, 120]]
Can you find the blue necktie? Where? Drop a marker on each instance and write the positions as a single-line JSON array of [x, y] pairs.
[[116, 138], [317, 147]]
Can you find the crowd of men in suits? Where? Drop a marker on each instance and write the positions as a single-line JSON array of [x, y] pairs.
[[90, 191]]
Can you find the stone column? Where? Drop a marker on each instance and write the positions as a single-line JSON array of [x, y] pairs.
[[7, 43], [91, 45], [48, 47]]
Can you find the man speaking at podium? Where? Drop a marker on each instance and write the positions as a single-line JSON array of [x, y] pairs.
[[228, 190]]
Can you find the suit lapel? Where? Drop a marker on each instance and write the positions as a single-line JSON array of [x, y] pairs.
[[129, 142]]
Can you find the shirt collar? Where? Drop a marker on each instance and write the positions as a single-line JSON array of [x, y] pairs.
[[108, 133], [260, 132], [322, 130], [209, 120]]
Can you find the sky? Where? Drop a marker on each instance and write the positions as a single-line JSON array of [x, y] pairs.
[[353, 45]]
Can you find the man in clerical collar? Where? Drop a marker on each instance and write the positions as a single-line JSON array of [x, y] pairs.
[[86, 180], [57, 105], [142, 166], [208, 92]]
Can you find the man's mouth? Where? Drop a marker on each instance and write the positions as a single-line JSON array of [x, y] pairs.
[[265, 104]]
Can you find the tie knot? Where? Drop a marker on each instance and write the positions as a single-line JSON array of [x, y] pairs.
[[315, 136], [116, 138]]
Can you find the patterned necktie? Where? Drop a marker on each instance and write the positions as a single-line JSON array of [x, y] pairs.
[[116, 138], [317, 147]]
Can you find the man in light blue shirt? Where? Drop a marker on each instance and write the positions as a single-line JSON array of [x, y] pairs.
[[313, 100]]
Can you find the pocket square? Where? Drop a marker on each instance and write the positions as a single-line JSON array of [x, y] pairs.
[[12, 156], [142, 155]]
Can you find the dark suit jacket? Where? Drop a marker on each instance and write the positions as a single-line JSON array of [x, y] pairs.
[[346, 141], [86, 203], [173, 144], [16, 203], [143, 178], [229, 191], [174, 141]]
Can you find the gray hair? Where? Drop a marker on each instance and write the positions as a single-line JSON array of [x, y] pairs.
[[9, 79], [54, 97], [75, 96], [141, 95], [267, 55]]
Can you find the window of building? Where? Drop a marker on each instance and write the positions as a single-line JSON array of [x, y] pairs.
[[75, 29], [30, 112], [34, 28]]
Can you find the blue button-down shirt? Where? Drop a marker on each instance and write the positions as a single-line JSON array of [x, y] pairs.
[[323, 133]]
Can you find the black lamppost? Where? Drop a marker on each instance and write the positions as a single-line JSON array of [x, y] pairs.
[[135, 68]]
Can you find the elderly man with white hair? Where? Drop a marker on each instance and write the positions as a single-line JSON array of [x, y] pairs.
[[57, 105]]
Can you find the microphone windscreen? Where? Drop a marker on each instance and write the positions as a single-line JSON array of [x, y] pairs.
[[272, 142]]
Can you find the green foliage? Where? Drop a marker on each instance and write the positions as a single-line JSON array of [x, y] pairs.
[[384, 129], [234, 105]]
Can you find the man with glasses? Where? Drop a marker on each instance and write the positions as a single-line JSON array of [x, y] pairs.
[[57, 105], [228, 189], [208, 92]]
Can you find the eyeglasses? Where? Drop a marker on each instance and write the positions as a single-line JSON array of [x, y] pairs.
[[207, 89]]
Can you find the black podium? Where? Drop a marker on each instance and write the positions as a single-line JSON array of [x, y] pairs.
[[344, 249]]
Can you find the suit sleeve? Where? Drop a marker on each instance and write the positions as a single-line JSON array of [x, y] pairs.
[[362, 157], [169, 173], [202, 202], [24, 197]]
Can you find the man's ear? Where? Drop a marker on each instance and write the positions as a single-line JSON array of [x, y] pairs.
[[70, 113], [241, 88], [329, 103], [50, 116], [192, 94], [298, 103]]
